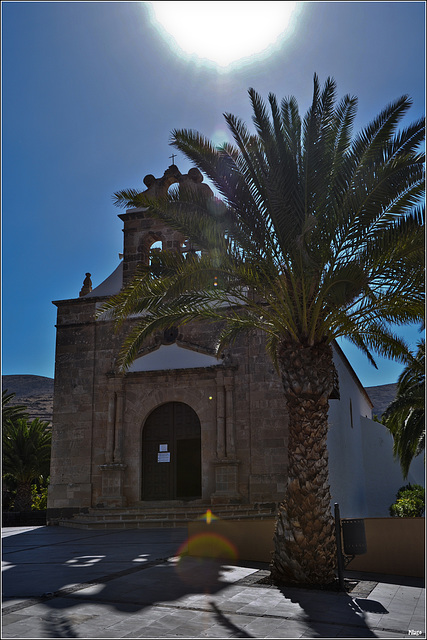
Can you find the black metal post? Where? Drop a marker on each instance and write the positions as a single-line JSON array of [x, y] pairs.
[[339, 546]]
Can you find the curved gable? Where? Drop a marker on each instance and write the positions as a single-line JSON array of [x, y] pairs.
[[172, 356]]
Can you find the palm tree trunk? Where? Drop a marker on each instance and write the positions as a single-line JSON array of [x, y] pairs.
[[305, 549], [23, 498]]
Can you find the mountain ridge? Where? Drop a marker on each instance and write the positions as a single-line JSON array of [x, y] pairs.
[[35, 392]]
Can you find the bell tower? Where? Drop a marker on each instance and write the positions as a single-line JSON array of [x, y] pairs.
[[141, 231]]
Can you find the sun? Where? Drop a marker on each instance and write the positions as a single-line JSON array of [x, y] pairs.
[[223, 32]]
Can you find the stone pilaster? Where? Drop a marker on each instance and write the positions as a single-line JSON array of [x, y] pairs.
[[112, 471], [118, 441], [229, 418], [111, 420], [226, 465], [220, 417]]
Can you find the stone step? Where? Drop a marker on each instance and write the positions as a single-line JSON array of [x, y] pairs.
[[139, 517], [125, 524], [109, 515], [186, 508]]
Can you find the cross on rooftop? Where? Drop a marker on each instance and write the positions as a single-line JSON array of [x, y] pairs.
[[173, 156]]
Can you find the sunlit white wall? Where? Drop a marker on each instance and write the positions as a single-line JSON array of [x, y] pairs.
[[364, 476]]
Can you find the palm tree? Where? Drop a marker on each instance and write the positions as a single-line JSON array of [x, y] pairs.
[[316, 235], [26, 456], [11, 412], [405, 416], [9, 415]]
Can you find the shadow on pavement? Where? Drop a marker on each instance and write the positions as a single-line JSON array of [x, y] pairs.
[[228, 625], [405, 581], [345, 611], [64, 572], [58, 626], [80, 575]]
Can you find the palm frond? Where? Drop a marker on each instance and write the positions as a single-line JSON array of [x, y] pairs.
[[318, 235]]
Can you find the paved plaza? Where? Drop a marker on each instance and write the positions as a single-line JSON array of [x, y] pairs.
[[70, 583]]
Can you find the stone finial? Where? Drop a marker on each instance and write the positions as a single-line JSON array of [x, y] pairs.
[[194, 180], [87, 286], [157, 187]]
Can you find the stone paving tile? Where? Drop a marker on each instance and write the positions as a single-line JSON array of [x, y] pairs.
[[153, 633], [158, 617], [392, 634], [374, 620], [27, 633], [239, 620], [337, 617], [262, 626], [385, 598], [131, 627], [189, 631], [418, 622], [238, 589], [395, 623], [420, 612], [287, 629], [196, 626], [401, 600], [108, 633], [270, 599], [324, 630], [216, 632], [362, 632], [13, 618], [242, 598], [18, 630], [196, 600], [254, 609]]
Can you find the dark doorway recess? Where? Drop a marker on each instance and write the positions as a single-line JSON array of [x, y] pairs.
[[171, 454]]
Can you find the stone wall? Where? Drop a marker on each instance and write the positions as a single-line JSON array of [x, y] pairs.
[[99, 415], [70, 486]]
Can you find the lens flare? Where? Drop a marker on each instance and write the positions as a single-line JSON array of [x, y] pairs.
[[208, 517], [220, 137], [209, 545]]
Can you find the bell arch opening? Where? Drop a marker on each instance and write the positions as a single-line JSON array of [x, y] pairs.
[[171, 454]]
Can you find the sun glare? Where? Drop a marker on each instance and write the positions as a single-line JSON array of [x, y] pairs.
[[223, 32]]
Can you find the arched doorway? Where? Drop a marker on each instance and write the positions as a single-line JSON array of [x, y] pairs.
[[171, 453]]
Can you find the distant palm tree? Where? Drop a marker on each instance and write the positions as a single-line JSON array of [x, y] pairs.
[[26, 456], [317, 236], [11, 412], [405, 416]]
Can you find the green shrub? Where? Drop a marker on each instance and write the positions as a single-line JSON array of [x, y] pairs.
[[39, 498], [410, 502]]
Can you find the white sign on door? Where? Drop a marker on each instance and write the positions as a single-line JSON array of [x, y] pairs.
[[164, 457]]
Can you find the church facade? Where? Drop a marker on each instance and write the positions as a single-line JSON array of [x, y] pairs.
[[181, 426]]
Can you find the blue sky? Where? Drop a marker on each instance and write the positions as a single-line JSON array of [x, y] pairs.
[[90, 94]]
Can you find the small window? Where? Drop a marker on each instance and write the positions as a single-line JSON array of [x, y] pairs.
[[155, 249], [154, 256]]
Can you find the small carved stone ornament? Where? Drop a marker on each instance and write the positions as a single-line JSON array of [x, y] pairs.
[[87, 286]]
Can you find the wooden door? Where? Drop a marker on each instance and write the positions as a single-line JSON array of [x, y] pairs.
[[171, 453]]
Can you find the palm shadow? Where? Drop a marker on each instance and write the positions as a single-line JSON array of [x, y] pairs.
[[325, 614], [79, 570], [231, 628]]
